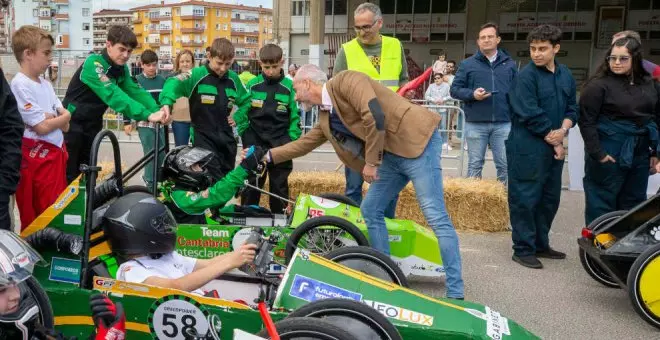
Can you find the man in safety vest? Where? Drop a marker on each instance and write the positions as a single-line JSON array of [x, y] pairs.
[[381, 58]]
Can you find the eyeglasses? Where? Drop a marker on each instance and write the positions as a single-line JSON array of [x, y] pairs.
[[622, 59], [438, 78], [365, 27]]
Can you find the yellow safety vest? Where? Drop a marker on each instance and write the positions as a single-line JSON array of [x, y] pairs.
[[390, 61]]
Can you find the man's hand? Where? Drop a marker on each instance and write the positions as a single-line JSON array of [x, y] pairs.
[[555, 137], [252, 159], [481, 94], [128, 128], [244, 254], [655, 165], [560, 152], [231, 121], [108, 317], [608, 158], [158, 117], [168, 114], [370, 173]]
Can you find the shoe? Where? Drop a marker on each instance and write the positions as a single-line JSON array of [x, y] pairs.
[[449, 147], [528, 261], [456, 298], [445, 146], [551, 254]]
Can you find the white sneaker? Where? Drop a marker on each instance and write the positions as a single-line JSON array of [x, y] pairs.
[[449, 147], [445, 146]]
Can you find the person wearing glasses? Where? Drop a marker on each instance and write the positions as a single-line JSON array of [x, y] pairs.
[[619, 116], [651, 68], [381, 58]]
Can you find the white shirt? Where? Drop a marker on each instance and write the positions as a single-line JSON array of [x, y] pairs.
[[492, 58], [34, 100], [326, 101], [168, 266]]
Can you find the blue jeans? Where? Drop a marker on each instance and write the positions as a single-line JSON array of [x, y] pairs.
[[354, 183], [478, 136], [181, 132], [426, 174]]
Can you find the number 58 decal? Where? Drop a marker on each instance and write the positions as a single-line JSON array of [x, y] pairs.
[[178, 317]]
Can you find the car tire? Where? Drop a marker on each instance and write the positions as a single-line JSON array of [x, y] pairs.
[[47, 318], [369, 261], [322, 221], [638, 284], [362, 321], [592, 267], [339, 198], [310, 328]]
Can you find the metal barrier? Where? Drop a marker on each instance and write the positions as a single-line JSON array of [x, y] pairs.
[[446, 128]]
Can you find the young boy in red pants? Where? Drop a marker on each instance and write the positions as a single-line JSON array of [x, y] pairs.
[[43, 169]]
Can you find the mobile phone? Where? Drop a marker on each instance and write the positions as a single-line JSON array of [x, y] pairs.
[[493, 92]]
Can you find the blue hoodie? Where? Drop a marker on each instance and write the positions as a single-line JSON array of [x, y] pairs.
[[475, 72]]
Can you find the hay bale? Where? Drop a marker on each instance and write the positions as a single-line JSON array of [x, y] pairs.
[[472, 204], [107, 169]]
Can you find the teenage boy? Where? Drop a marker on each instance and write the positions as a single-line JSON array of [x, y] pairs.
[[153, 83], [543, 108], [270, 119], [43, 169], [104, 80], [213, 90]]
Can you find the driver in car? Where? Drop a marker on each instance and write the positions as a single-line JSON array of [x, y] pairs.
[[142, 232]]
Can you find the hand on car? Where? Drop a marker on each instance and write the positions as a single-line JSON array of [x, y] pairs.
[[481, 94], [244, 254]]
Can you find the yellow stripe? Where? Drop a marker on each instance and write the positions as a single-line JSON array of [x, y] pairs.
[[389, 286], [43, 220], [77, 320], [99, 250]]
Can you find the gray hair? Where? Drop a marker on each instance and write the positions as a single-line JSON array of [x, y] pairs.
[[311, 72], [367, 6]]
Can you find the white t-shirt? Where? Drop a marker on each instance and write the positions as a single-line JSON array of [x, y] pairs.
[[168, 266], [34, 100]]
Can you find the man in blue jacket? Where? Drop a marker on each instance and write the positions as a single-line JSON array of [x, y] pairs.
[[543, 108], [482, 82]]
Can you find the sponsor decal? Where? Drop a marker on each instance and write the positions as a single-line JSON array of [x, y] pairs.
[[310, 290], [35, 149], [21, 259], [281, 108], [72, 219], [27, 106], [183, 76], [64, 270], [176, 317], [60, 204], [257, 103], [496, 325], [394, 238], [316, 212], [183, 241], [206, 99], [401, 314], [104, 283], [192, 195], [127, 286], [324, 202], [43, 153], [214, 232], [240, 237]]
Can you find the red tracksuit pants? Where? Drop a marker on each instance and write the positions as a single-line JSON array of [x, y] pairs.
[[43, 178]]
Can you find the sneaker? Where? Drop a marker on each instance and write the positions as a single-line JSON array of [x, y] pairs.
[[551, 254], [449, 147], [445, 146], [528, 261], [456, 298]]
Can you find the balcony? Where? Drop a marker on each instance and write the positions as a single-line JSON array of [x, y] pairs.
[[192, 44], [64, 16], [192, 29], [154, 43], [44, 16], [60, 2], [244, 44], [245, 20], [100, 39], [253, 33], [137, 21], [193, 17], [138, 34]]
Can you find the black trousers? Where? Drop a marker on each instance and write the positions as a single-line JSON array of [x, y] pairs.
[[79, 146], [5, 212], [278, 185], [224, 149]]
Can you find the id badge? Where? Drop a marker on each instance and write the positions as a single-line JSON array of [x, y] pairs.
[[206, 99], [257, 103]]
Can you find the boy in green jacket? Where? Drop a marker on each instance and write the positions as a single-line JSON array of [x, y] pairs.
[[270, 119]]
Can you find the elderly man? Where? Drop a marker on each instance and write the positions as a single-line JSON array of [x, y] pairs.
[[381, 58], [390, 141]]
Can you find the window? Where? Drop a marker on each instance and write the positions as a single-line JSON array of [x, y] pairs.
[[35, 12], [85, 12], [198, 12], [59, 40], [225, 27], [217, 27], [178, 25], [177, 11], [86, 41], [226, 14], [387, 6], [85, 26], [640, 4], [422, 6], [404, 7], [177, 38], [217, 13], [339, 7]]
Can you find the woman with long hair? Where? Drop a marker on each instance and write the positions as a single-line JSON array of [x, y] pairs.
[[183, 62], [619, 116]]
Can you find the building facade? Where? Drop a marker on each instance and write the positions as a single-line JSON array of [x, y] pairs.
[[428, 28], [69, 22], [103, 20], [170, 28]]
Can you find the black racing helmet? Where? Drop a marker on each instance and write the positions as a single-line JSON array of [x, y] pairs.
[[177, 168], [139, 224]]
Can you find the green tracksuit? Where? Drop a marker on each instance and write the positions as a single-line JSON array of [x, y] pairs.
[[189, 207], [269, 119], [212, 99]]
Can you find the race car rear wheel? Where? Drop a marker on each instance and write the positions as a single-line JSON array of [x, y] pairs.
[[307, 328], [46, 317], [362, 321], [643, 286], [322, 234], [369, 261], [339, 198], [590, 265]]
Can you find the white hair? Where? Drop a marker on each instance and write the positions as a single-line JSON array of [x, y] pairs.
[[311, 72], [367, 6]]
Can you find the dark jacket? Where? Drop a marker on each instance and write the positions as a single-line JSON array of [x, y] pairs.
[[475, 72], [11, 135]]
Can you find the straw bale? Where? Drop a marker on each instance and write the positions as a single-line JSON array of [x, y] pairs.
[[472, 204]]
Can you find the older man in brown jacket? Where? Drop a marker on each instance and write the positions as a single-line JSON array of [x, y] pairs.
[[390, 141]]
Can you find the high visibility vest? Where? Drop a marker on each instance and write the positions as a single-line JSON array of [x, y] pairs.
[[390, 61]]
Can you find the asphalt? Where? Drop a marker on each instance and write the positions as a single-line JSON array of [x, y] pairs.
[[559, 301]]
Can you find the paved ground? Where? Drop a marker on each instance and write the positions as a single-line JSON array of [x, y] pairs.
[[558, 302]]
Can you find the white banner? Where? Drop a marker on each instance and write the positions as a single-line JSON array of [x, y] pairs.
[[420, 24], [576, 164], [643, 20], [566, 21]]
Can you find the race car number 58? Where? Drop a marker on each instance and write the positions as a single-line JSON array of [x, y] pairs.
[[178, 317]]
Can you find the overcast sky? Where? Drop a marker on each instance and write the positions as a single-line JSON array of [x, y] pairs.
[[126, 4]]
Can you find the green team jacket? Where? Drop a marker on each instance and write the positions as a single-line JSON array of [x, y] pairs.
[[211, 98], [271, 111], [99, 83]]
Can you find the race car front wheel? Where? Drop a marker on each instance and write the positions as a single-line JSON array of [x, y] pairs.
[[369, 261], [592, 267], [643, 285], [322, 234], [307, 328], [357, 318]]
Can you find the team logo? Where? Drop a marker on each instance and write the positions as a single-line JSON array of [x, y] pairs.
[[27, 106]]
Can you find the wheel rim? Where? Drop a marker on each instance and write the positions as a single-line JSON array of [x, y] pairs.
[[306, 335], [322, 240], [367, 267], [649, 292], [592, 265]]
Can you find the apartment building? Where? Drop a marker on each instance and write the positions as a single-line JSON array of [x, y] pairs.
[[4, 31], [170, 28], [105, 19], [70, 22]]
